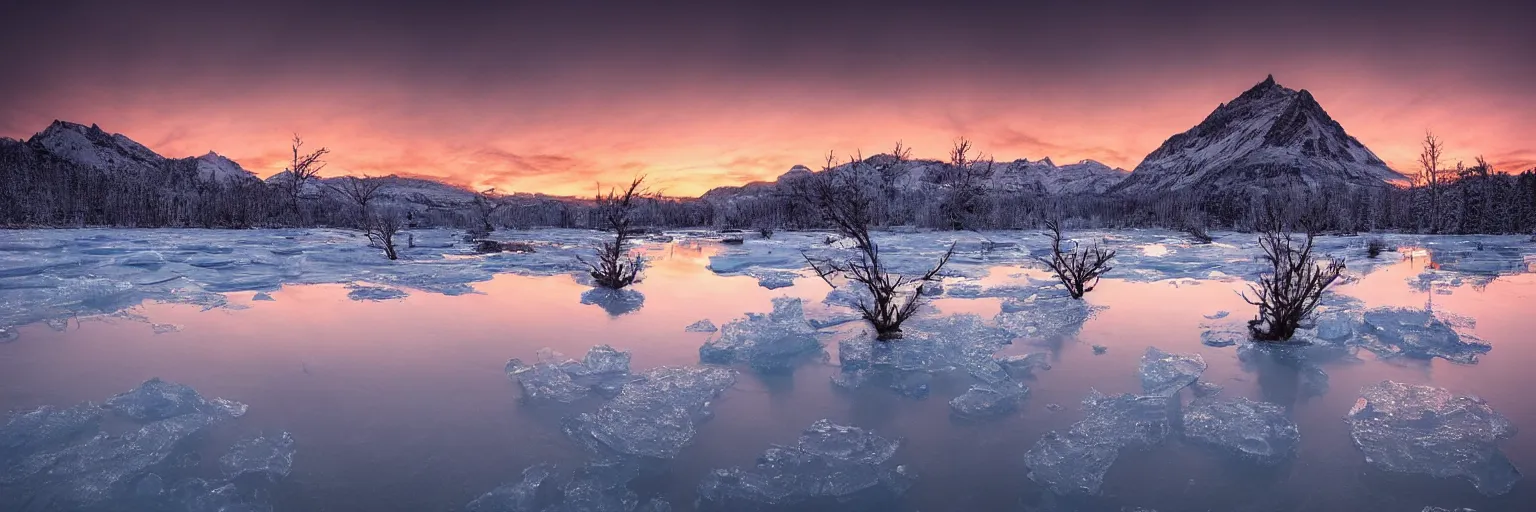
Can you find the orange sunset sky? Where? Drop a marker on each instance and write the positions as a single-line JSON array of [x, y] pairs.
[[555, 98]]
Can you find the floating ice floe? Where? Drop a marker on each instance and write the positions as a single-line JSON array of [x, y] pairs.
[[603, 371], [771, 342], [595, 487], [1418, 334], [1164, 374], [1407, 428], [701, 326], [157, 400], [1074, 461], [847, 468], [374, 293], [984, 401], [269, 457], [1038, 318], [929, 345], [59, 459], [654, 416], [1256, 431], [1223, 336]]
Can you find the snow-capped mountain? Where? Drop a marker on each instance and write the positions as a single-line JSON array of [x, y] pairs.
[[1270, 137], [94, 148]]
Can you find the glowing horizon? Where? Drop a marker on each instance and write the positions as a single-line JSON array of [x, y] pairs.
[[705, 97]]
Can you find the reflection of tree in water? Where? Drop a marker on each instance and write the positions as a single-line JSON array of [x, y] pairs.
[[615, 302], [1287, 373]]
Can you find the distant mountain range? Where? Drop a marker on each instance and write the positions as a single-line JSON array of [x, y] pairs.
[[92, 147], [1269, 137]]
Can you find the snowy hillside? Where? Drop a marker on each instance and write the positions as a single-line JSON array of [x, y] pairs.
[[89, 146], [1270, 137], [214, 167]]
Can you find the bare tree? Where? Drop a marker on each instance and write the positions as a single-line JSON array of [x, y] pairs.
[[614, 268], [1293, 288], [1432, 176], [964, 176], [381, 228], [850, 212], [359, 191], [1078, 268], [303, 168]]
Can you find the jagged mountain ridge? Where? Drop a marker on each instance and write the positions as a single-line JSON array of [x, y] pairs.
[[1039, 176], [1269, 137], [94, 148]]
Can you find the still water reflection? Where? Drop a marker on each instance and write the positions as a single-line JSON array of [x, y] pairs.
[[403, 404]]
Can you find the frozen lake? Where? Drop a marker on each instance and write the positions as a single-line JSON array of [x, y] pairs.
[[391, 377]]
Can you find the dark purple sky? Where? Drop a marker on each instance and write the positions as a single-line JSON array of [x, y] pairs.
[[544, 97]]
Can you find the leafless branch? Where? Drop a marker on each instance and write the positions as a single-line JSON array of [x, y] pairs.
[[614, 269], [1078, 268], [1293, 288]]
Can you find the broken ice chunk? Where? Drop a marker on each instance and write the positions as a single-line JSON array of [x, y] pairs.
[[774, 280], [1075, 461], [534, 493], [156, 399], [604, 370], [1409, 428], [1222, 337], [1257, 431], [374, 293], [701, 326], [772, 342], [43, 429], [986, 401], [268, 457], [846, 465], [1419, 334], [545, 381], [1071, 462], [1164, 374], [654, 416]]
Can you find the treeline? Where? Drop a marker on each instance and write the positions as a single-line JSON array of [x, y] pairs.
[[38, 189]]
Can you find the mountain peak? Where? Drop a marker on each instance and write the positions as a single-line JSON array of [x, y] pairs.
[[1269, 137]]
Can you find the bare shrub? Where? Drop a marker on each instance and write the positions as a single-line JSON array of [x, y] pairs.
[[1291, 291], [850, 212], [1195, 227], [1078, 268], [614, 269], [486, 204], [381, 228]]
